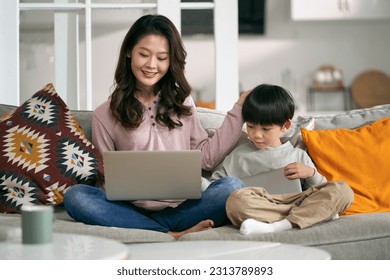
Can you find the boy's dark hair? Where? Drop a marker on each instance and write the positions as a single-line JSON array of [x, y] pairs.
[[268, 104]]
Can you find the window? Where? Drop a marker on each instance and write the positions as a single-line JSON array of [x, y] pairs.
[[251, 18], [59, 41]]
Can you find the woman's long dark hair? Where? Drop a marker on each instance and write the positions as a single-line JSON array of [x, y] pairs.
[[174, 86]]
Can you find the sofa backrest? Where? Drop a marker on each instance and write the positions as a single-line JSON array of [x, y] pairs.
[[85, 120], [6, 108], [352, 119], [83, 117], [211, 119]]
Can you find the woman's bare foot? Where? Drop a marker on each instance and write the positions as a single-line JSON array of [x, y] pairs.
[[203, 225]]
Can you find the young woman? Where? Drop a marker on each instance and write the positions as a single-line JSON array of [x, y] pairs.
[[151, 108]]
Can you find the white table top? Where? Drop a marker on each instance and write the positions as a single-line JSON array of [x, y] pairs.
[[228, 250], [63, 247], [77, 247]]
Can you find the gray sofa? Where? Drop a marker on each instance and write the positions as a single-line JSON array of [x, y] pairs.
[[360, 236]]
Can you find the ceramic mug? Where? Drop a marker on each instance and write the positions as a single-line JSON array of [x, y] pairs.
[[37, 224]]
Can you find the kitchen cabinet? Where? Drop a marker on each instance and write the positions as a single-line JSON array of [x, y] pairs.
[[339, 9]]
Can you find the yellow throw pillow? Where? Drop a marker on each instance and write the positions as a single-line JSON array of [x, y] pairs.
[[360, 157]]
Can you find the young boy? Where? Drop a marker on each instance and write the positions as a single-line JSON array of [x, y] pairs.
[[268, 111]]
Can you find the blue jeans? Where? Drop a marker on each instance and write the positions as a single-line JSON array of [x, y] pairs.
[[89, 205]]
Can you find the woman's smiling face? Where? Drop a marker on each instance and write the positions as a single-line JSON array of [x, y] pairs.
[[150, 61]]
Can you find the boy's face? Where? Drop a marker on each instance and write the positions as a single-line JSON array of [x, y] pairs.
[[264, 136]]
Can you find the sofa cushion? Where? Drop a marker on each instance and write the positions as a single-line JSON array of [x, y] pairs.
[[210, 118], [353, 118], [43, 151], [84, 118], [294, 133], [358, 156], [6, 109], [361, 236], [64, 224]]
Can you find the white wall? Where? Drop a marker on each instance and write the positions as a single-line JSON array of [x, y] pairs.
[[288, 49], [9, 68], [294, 50]]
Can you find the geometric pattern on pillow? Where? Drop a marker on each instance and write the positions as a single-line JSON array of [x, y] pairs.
[[43, 152]]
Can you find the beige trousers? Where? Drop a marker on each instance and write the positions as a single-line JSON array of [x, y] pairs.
[[314, 205]]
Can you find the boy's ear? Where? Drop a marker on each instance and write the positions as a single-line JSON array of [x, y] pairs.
[[287, 125]]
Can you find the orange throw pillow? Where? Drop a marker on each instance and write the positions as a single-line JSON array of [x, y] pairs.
[[360, 157]]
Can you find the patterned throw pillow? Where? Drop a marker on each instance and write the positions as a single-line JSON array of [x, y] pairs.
[[43, 152]]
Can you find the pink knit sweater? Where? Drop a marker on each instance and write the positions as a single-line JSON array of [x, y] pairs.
[[109, 135]]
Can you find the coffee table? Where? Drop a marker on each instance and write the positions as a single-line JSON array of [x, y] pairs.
[[224, 250], [63, 247]]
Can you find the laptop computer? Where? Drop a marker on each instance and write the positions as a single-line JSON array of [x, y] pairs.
[[274, 181], [152, 175]]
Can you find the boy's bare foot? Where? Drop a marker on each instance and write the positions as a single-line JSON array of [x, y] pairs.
[[203, 225]]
